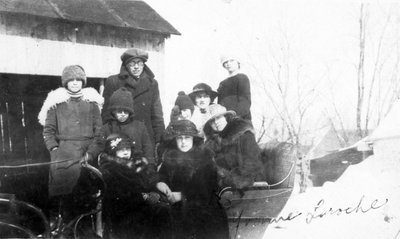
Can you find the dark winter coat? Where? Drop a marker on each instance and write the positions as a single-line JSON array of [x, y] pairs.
[[136, 131], [74, 126], [126, 214], [146, 97], [234, 93], [194, 174], [237, 153]]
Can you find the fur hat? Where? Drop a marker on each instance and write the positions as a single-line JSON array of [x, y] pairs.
[[184, 102], [203, 87], [133, 53], [121, 99], [217, 110], [184, 127], [73, 72], [115, 142]]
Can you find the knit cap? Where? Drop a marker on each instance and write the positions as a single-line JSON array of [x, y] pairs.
[[73, 72], [121, 99], [184, 102]]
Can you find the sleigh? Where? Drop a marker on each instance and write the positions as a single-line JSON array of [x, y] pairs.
[[21, 219], [251, 210]]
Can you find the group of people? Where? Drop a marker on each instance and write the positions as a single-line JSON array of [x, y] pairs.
[[160, 183]]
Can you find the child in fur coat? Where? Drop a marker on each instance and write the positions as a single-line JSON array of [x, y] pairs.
[[189, 170], [71, 123], [132, 207]]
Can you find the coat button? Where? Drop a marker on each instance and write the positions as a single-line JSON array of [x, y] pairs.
[[143, 103]]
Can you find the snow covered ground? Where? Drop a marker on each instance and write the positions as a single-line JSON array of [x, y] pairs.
[[363, 203]]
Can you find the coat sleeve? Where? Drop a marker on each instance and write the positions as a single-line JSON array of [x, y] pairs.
[[109, 88], [244, 95], [97, 144], [147, 145], [50, 129], [157, 118]]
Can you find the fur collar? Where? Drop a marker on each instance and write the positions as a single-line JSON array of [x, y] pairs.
[[235, 128], [61, 95]]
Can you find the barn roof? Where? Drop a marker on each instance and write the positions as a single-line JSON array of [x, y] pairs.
[[134, 14]]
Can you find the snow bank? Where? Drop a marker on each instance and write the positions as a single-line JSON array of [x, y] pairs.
[[363, 203]]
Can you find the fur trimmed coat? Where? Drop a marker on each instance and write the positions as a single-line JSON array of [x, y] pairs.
[[194, 174], [126, 213], [237, 153], [73, 125], [234, 93], [146, 99]]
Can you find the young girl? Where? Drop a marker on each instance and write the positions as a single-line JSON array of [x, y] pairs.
[[72, 124], [131, 206], [189, 170], [121, 119]]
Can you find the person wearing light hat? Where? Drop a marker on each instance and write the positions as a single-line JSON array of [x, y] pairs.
[[203, 97], [234, 92], [140, 81], [71, 121], [190, 172], [237, 153]]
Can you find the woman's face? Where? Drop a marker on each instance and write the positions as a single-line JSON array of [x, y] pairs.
[[219, 123], [184, 142], [231, 65], [186, 114], [75, 85], [202, 100], [121, 115], [124, 153]]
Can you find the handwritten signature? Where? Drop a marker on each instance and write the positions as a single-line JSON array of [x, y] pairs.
[[320, 212]]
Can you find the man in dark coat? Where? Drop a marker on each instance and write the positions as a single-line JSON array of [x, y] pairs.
[[237, 153], [137, 77]]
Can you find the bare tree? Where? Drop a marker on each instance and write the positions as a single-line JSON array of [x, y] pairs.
[[360, 69]]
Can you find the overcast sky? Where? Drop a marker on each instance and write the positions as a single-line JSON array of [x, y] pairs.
[[317, 39]]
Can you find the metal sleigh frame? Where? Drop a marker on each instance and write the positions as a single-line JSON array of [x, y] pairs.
[[11, 219]]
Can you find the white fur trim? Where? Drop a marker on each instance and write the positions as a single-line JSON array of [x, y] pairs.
[[61, 95]]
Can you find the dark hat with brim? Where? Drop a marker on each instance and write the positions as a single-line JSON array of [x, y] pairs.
[[183, 127], [203, 88]]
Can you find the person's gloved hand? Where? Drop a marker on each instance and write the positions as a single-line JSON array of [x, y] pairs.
[[151, 198]]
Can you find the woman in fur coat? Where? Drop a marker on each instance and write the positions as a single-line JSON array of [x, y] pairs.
[[237, 153], [191, 174], [72, 124]]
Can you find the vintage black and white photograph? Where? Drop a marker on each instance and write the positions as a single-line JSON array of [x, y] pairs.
[[200, 119]]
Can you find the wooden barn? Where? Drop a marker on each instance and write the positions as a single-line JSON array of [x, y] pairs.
[[38, 38]]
